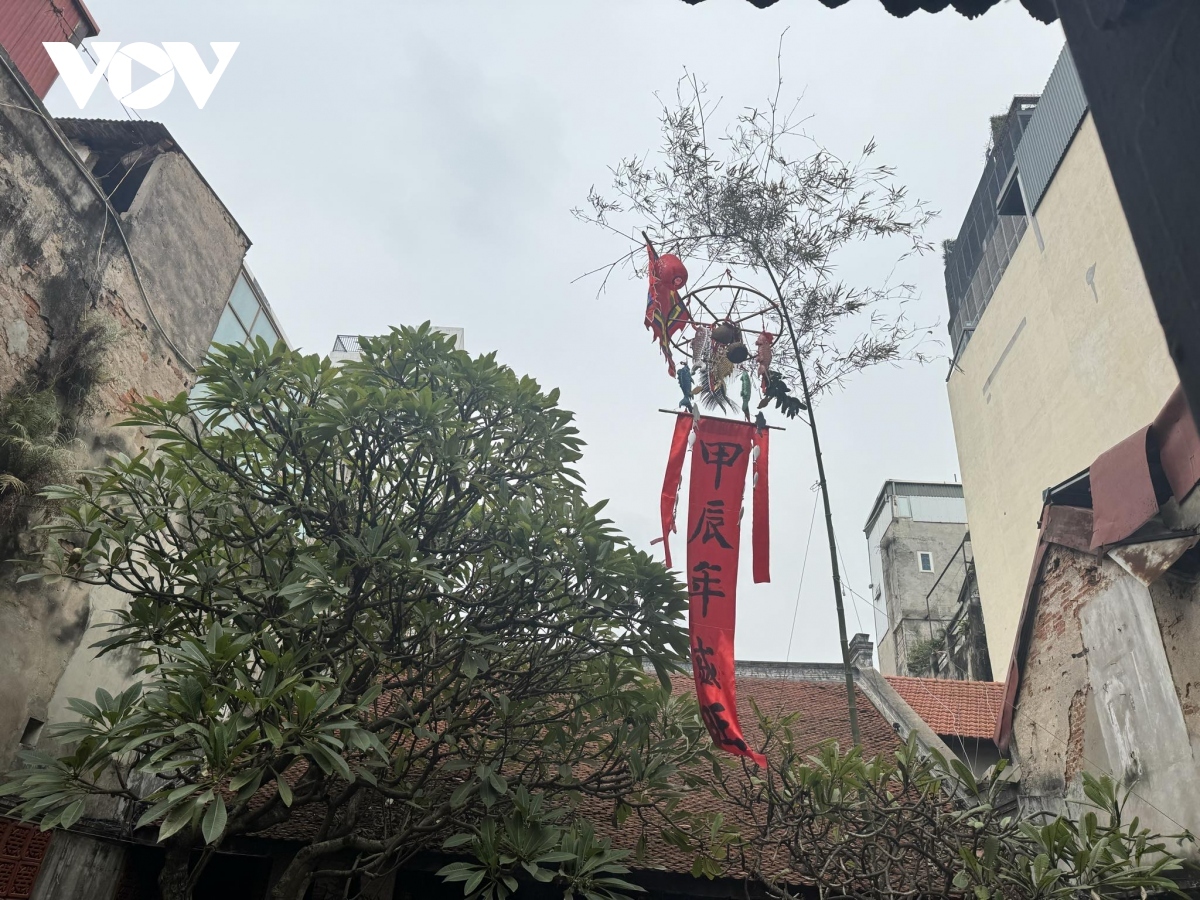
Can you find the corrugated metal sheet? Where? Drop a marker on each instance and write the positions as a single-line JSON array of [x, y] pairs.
[[25, 24], [938, 509], [926, 489], [1123, 494], [1053, 126]]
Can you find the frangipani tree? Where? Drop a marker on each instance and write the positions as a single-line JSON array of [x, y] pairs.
[[374, 592]]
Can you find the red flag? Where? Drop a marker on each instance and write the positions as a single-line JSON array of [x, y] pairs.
[[762, 509], [670, 489], [719, 461], [665, 312]]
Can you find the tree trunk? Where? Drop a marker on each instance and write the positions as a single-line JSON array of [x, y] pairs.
[[174, 881], [851, 701], [295, 878]]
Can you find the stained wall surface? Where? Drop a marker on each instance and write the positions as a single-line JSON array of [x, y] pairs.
[[1054, 374]]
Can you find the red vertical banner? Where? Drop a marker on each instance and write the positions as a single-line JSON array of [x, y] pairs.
[[670, 490], [762, 508], [720, 458]]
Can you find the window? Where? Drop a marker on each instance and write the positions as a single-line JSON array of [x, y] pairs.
[[244, 318], [925, 561], [32, 732]]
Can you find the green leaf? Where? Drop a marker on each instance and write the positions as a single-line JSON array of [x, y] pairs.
[[71, 814], [213, 823], [242, 779], [459, 797], [179, 817], [285, 791]]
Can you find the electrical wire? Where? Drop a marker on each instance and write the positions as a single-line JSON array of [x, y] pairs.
[[62, 26], [853, 593], [803, 568]]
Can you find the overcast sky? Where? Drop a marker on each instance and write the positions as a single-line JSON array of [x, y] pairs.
[[406, 161]]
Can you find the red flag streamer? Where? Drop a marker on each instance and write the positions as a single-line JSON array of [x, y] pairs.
[[762, 509], [719, 461], [670, 489]]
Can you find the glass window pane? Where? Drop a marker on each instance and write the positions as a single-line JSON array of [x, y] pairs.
[[243, 301], [262, 328], [228, 330]]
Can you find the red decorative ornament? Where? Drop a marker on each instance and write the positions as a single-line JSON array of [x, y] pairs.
[[665, 312]]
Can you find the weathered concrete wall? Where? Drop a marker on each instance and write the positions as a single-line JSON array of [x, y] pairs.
[[1107, 688], [60, 261], [1175, 605], [1053, 375], [188, 248], [80, 868], [915, 615]]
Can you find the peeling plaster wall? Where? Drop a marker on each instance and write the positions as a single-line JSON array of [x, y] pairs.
[[59, 261], [1107, 687], [1175, 604], [1140, 718]]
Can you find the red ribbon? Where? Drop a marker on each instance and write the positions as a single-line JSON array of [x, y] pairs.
[[762, 510], [720, 459], [670, 489]]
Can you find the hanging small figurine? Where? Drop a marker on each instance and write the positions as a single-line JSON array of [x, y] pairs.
[[711, 388], [746, 395], [685, 384], [699, 346], [785, 402], [765, 347]]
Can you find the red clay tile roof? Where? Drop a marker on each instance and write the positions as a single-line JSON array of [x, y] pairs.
[[822, 709], [965, 709], [823, 716]]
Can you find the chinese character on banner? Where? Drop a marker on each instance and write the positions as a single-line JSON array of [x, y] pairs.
[[721, 457]]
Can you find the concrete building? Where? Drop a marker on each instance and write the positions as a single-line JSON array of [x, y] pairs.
[[346, 346], [25, 24], [1105, 671], [917, 544], [965, 656], [1057, 351], [118, 267]]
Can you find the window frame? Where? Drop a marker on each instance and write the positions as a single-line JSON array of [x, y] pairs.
[[260, 310], [921, 556]]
